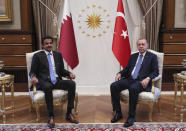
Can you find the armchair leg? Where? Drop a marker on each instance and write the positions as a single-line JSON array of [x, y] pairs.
[[37, 112], [159, 110], [150, 112], [31, 105], [63, 101], [62, 105], [76, 104]]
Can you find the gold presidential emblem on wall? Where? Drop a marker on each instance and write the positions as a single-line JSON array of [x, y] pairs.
[[94, 21]]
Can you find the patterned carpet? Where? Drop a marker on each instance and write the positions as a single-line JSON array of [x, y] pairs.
[[138, 126]]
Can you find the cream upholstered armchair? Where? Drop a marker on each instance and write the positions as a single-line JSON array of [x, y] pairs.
[[152, 97], [37, 97]]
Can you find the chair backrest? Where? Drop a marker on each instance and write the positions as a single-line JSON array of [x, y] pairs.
[[28, 63], [160, 65]]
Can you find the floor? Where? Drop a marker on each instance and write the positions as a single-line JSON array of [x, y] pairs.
[[92, 109]]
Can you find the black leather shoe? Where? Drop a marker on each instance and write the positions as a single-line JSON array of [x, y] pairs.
[[51, 123], [70, 117], [130, 121], [117, 117]]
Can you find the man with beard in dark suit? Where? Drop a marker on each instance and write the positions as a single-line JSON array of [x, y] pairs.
[[46, 73], [137, 76]]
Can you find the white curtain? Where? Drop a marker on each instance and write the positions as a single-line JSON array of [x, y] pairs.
[[134, 18]]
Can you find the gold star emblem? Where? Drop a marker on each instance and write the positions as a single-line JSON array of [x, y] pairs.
[[99, 35], [94, 21], [99, 7]]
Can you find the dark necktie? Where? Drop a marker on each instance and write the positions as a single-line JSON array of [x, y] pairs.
[[138, 66], [52, 75]]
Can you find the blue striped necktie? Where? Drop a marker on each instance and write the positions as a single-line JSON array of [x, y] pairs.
[[138, 66], [52, 75]]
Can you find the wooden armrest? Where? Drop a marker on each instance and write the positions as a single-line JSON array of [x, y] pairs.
[[156, 78], [34, 89], [152, 90], [153, 81]]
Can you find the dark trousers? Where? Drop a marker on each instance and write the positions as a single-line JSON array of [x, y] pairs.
[[134, 87], [67, 85]]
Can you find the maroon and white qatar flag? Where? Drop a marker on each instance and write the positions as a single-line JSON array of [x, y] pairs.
[[67, 42], [121, 44]]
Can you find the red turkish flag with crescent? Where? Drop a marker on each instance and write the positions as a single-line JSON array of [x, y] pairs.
[[67, 42], [121, 44]]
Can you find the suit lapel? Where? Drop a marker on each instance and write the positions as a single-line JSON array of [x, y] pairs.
[[45, 59], [134, 61], [55, 57], [56, 60], [144, 60], [136, 57]]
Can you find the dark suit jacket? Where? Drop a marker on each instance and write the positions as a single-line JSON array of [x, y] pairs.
[[40, 67], [149, 68]]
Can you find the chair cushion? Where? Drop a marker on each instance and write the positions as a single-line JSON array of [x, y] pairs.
[[147, 96], [40, 96]]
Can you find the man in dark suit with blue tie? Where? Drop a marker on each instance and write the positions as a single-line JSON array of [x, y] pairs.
[[137, 76], [46, 73]]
